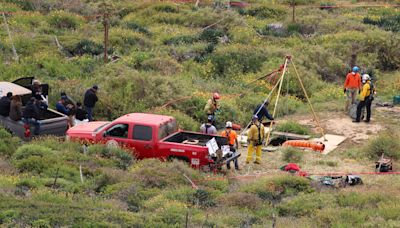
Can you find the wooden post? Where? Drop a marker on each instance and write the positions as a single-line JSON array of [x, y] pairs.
[[55, 179], [16, 58], [106, 27]]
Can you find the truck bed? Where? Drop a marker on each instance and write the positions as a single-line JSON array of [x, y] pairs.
[[193, 138], [52, 123]]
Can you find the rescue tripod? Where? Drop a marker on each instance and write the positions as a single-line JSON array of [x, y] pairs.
[[283, 69]]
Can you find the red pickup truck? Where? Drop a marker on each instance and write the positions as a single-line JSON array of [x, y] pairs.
[[152, 136]]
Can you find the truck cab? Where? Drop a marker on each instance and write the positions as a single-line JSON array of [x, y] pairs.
[[149, 136]]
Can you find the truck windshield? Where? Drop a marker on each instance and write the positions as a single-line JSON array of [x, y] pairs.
[[167, 129]]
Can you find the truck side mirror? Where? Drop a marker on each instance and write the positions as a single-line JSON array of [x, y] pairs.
[[105, 134]]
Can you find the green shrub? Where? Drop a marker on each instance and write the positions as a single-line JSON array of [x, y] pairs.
[[293, 155], [212, 35], [166, 8], [164, 65], [64, 20], [388, 57], [293, 127], [138, 28], [241, 200], [33, 164], [184, 121], [30, 183], [8, 144], [152, 173], [202, 198], [305, 205], [7, 216], [120, 157], [32, 150], [389, 22], [359, 200], [275, 188], [385, 143], [263, 12], [87, 47], [230, 62], [184, 39], [41, 223]]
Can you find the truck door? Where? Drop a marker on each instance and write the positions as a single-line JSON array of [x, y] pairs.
[[143, 141], [117, 135]]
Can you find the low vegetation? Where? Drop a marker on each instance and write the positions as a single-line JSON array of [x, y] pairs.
[[169, 58]]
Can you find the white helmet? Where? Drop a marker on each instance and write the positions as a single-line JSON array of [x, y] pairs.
[[228, 124], [366, 77]]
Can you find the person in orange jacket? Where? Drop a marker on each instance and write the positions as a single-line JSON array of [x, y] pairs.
[[352, 86], [231, 135]]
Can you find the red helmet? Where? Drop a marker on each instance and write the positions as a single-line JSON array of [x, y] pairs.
[[216, 96]]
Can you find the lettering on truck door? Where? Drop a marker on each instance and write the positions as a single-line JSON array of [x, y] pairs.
[[143, 141], [117, 135]]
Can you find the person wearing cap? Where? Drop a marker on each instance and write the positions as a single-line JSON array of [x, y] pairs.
[[366, 98], [261, 111], [212, 105], [37, 90], [66, 108], [89, 101], [255, 140], [352, 86], [208, 128], [231, 135], [5, 103], [62, 107]]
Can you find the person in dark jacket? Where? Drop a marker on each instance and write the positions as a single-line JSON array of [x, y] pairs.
[[90, 100], [5, 104], [62, 107], [80, 114], [30, 115], [261, 111], [16, 108]]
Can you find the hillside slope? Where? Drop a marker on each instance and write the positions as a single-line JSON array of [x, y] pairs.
[[169, 57]]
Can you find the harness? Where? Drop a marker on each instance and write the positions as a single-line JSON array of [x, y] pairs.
[[371, 92], [259, 134], [207, 126]]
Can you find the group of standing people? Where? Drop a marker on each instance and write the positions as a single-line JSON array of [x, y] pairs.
[[356, 84], [12, 106]]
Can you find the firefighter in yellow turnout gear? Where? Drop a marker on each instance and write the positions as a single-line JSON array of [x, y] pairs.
[[255, 140]]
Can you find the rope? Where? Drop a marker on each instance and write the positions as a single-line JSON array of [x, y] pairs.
[[277, 97], [265, 101], [262, 174], [11, 40], [309, 102]]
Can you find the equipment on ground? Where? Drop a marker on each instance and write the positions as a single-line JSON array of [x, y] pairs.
[[384, 164], [317, 146]]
